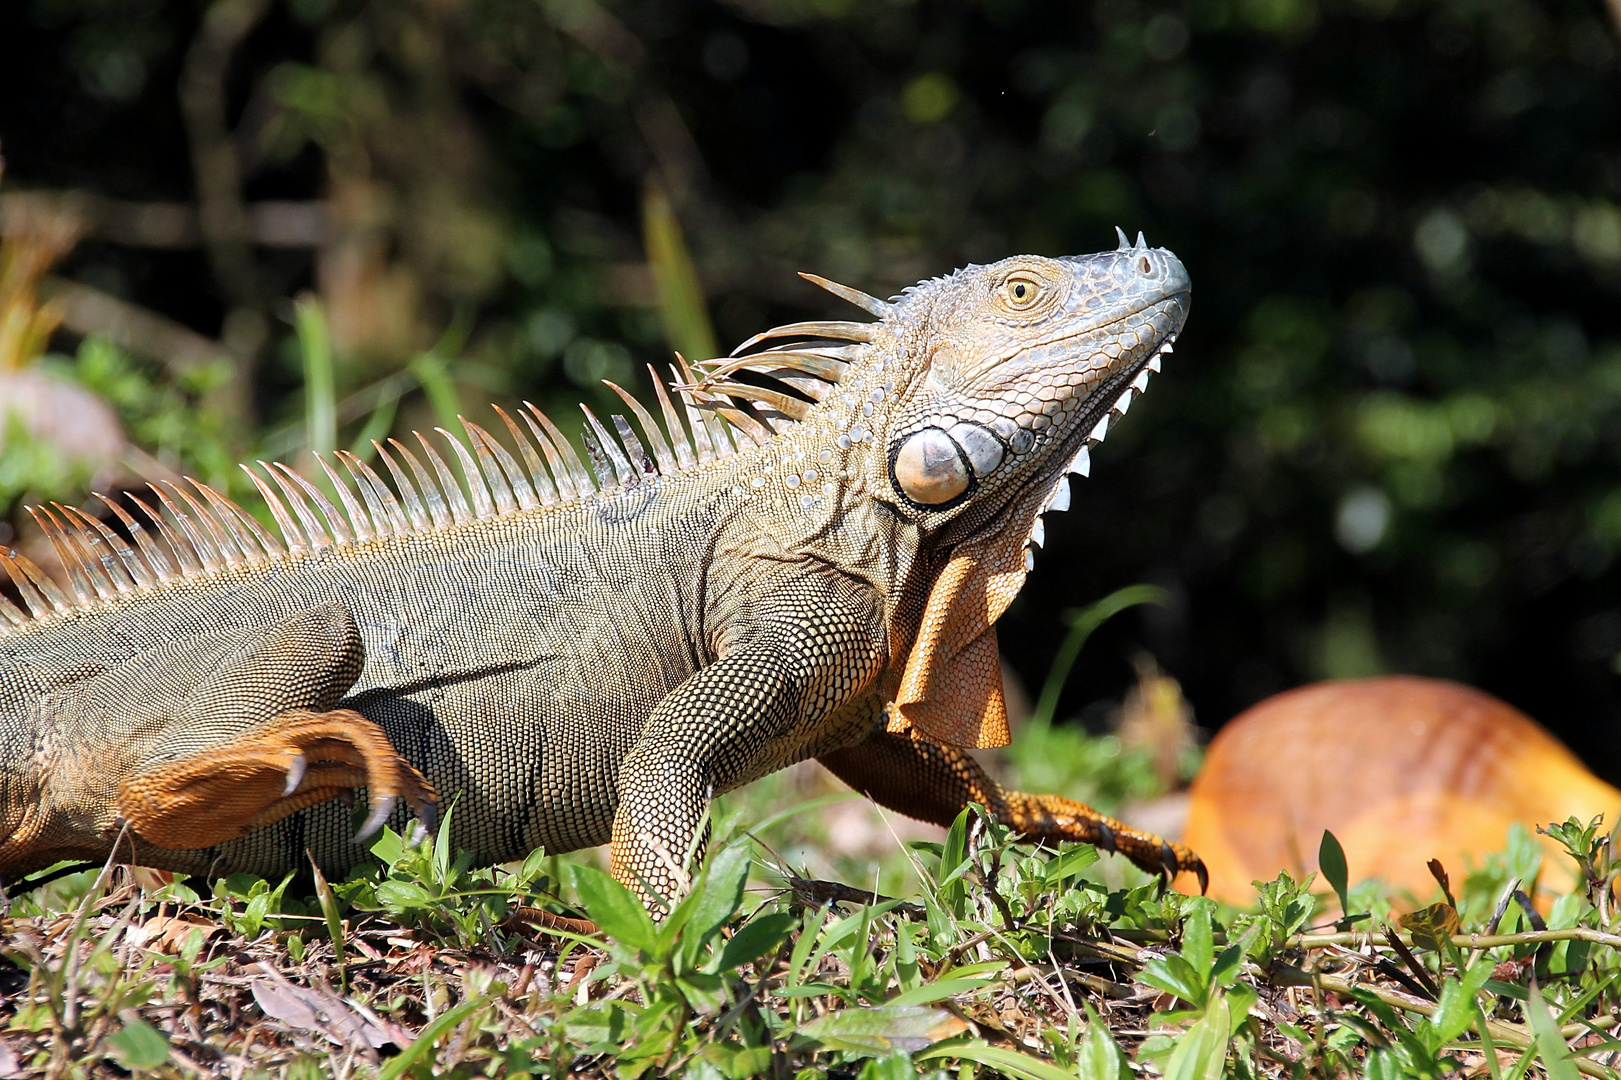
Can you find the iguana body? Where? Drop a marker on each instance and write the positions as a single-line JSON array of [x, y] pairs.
[[576, 661]]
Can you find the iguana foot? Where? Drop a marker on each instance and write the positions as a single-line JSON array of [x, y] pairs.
[[1052, 817], [298, 759], [922, 779]]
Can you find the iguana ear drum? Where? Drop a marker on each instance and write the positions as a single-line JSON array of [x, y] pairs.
[[929, 468]]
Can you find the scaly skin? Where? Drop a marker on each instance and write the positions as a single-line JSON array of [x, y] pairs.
[[568, 668]]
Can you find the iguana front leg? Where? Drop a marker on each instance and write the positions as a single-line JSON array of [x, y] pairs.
[[769, 702], [925, 780]]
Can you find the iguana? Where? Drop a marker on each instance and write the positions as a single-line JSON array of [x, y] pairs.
[[806, 559]]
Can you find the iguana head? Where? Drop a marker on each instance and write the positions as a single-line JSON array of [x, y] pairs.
[[1018, 367], [960, 411]]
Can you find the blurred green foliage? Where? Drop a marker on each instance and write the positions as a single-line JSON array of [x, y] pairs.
[[1390, 438]]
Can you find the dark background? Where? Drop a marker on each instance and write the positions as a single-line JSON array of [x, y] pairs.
[[1390, 438]]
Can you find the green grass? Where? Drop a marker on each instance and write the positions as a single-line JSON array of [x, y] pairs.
[[997, 959]]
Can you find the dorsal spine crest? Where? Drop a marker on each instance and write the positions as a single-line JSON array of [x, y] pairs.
[[742, 402]]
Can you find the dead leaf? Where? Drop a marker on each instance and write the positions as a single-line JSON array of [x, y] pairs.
[[1431, 927], [168, 933], [324, 1013]]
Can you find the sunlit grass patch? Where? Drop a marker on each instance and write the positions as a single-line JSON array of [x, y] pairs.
[[1004, 959]]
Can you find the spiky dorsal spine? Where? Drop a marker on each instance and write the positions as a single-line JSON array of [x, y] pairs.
[[726, 405]]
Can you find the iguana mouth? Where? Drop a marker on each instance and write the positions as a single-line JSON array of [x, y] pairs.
[[1107, 404]]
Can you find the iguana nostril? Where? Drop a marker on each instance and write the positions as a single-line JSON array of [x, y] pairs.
[[929, 468], [1144, 265]]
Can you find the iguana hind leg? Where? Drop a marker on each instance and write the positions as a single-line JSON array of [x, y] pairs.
[[193, 741], [297, 759], [925, 780]]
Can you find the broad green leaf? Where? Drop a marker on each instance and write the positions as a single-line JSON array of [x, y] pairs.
[[1201, 1053], [1069, 862], [1383, 1065], [884, 1029], [703, 1070], [897, 1066], [738, 1062], [1198, 940], [1100, 1057], [1458, 1006], [1550, 1045], [389, 846], [1174, 975], [1240, 1000], [534, 865], [139, 1046], [718, 893], [403, 895], [1331, 863], [1224, 972], [613, 907], [706, 993], [756, 938]]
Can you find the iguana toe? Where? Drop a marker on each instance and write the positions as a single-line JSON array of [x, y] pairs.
[[381, 808], [296, 770]]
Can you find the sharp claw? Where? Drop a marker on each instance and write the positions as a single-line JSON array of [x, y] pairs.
[[295, 774], [1106, 839], [380, 810], [1202, 874], [1168, 863]]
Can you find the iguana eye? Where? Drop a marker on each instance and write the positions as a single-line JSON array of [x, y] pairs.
[[1021, 292]]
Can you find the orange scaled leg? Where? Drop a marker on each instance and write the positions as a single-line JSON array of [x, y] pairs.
[[298, 759]]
